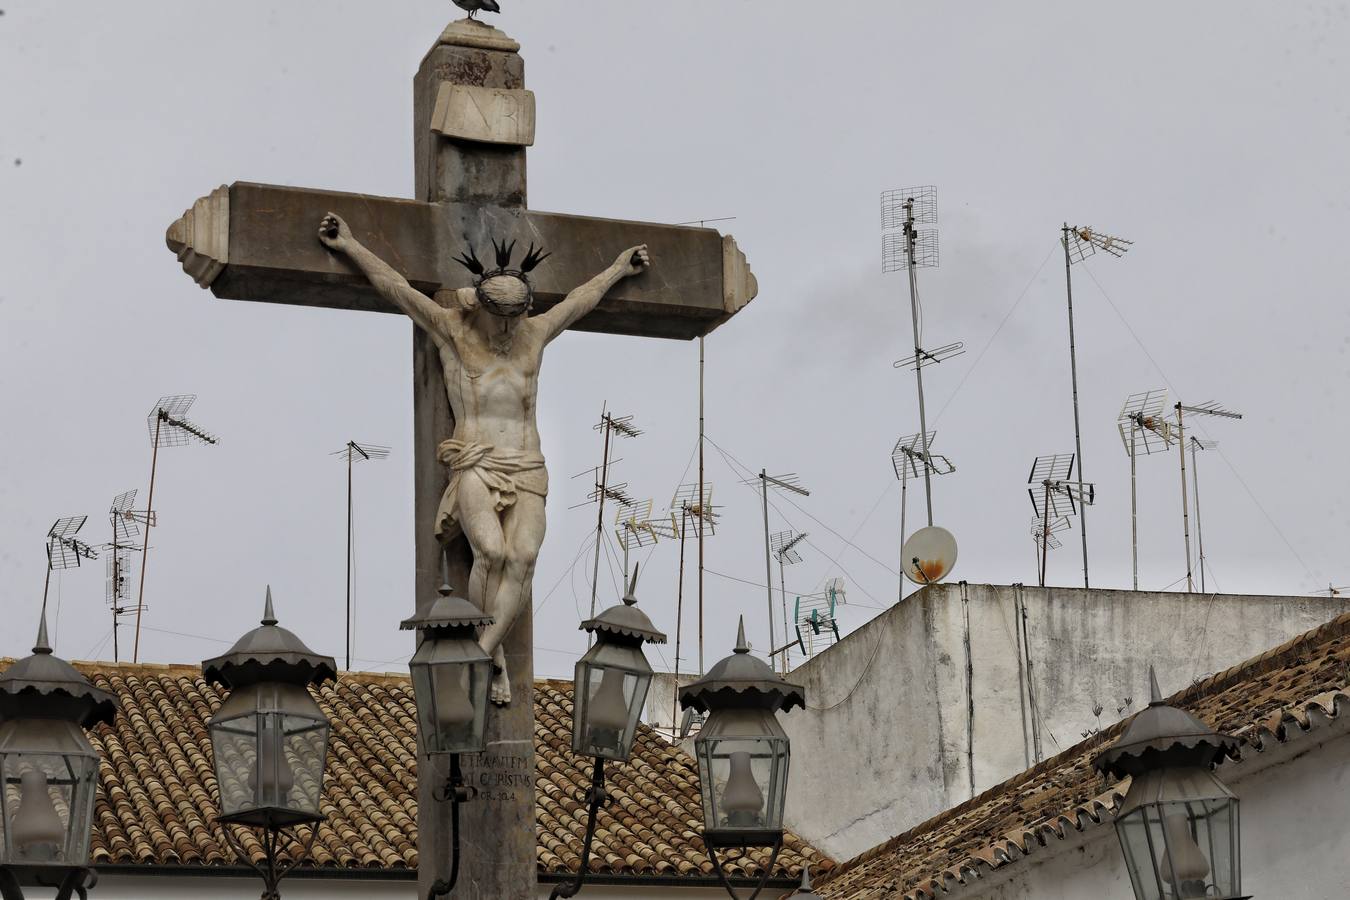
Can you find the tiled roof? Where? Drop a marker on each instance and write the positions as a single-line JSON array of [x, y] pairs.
[[1267, 700], [157, 801]]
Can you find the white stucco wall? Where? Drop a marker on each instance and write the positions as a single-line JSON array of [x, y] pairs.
[[1295, 836], [930, 703], [124, 887]]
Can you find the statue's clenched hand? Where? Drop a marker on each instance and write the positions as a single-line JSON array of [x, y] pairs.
[[633, 260], [335, 234]]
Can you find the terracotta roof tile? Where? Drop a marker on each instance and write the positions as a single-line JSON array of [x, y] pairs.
[[157, 794], [1289, 688]]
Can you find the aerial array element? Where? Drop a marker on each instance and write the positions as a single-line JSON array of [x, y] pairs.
[[1043, 533], [1204, 409], [783, 545], [65, 550], [787, 484], [815, 619], [691, 505], [1143, 429], [912, 457], [125, 523], [353, 452], [169, 427], [1080, 242], [1055, 496], [610, 426], [635, 528]]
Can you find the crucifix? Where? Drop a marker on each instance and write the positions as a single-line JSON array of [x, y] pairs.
[[473, 119]]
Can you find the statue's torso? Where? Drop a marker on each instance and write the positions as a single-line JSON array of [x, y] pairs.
[[493, 394]]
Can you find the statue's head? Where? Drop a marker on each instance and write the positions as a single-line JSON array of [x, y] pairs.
[[504, 291]]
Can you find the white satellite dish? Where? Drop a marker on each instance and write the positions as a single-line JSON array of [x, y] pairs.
[[929, 555]]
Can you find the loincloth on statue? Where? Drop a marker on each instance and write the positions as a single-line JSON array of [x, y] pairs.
[[503, 472]]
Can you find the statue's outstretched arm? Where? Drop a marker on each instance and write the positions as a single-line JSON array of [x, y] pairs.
[[585, 298], [392, 286]]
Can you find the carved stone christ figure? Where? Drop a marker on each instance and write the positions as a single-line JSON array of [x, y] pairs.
[[491, 352]]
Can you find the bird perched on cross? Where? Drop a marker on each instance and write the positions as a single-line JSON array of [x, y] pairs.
[[473, 6]]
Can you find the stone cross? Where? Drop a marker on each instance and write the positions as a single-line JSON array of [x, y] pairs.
[[473, 120]]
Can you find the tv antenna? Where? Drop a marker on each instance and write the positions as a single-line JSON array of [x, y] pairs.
[[1043, 533], [1333, 591], [1143, 428], [911, 249], [786, 484], [169, 427], [815, 618], [65, 550], [1080, 242], [1204, 409], [635, 527], [1055, 496], [783, 544], [911, 457], [691, 503], [610, 426], [125, 523], [355, 452]]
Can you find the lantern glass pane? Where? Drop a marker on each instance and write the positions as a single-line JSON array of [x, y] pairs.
[[452, 700], [45, 807], [607, 705], [744, 782], [271, 757], [1183, 849]]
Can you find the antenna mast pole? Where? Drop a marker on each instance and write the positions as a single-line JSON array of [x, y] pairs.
[[1073, 375], [145, 550], [1185, 508], [600, 516], [349, 556], [911, 235], [1045, 532], [768, 570], [679, 621], [1134, 511], [702, 512]]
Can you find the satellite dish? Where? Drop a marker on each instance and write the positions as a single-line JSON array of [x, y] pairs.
[[929, 555]]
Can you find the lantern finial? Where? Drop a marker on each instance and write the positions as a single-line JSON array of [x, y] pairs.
[[43, 645], [269, 615], [741, 645], [445, 590], [1155, 695], [630, 598]]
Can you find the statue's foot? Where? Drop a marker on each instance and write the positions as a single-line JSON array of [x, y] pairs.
[[501, 688]]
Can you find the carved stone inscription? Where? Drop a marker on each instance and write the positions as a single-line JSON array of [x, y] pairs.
[[489, 115], [499, 776]]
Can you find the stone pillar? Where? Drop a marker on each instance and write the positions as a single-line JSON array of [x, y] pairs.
[[489, 104]]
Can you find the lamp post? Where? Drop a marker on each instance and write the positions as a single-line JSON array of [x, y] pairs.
[[742, 754], [270, 741], [48, 773], [610, 689], [451, 675], [1178, 823]]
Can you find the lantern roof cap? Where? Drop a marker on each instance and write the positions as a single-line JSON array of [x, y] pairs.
[[269, 653], [625, 619], [30, 684], [1164, 737], [805, 892], [742, 680], [448, 610]]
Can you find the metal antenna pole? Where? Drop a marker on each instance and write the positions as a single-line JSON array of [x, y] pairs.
[[1185, 509], [1073, 375], [114, 562], [1199, 532], [904, 489], [1134, 515], [782, 584], [600, 517], [679, 621], [701, 499], [1045, 532], [911, 236], [768, 570], [145, 550]]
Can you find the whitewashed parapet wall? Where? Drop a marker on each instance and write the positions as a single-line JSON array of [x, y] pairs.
[[931, 703]]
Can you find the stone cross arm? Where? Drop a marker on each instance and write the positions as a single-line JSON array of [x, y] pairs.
[[259, 242]]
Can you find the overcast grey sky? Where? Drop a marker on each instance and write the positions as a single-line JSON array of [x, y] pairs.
[[1213, 134]]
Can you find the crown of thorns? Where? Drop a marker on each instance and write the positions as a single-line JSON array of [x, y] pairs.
[[533, 257]]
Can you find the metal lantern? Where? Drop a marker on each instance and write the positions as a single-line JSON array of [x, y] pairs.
[[1178, 823], [612, 680], [48, 768], [269, 737], [450, 674], [742, 750]]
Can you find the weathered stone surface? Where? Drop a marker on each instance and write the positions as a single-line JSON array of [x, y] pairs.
[[699, 278], [200, 238], [488, 115]]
